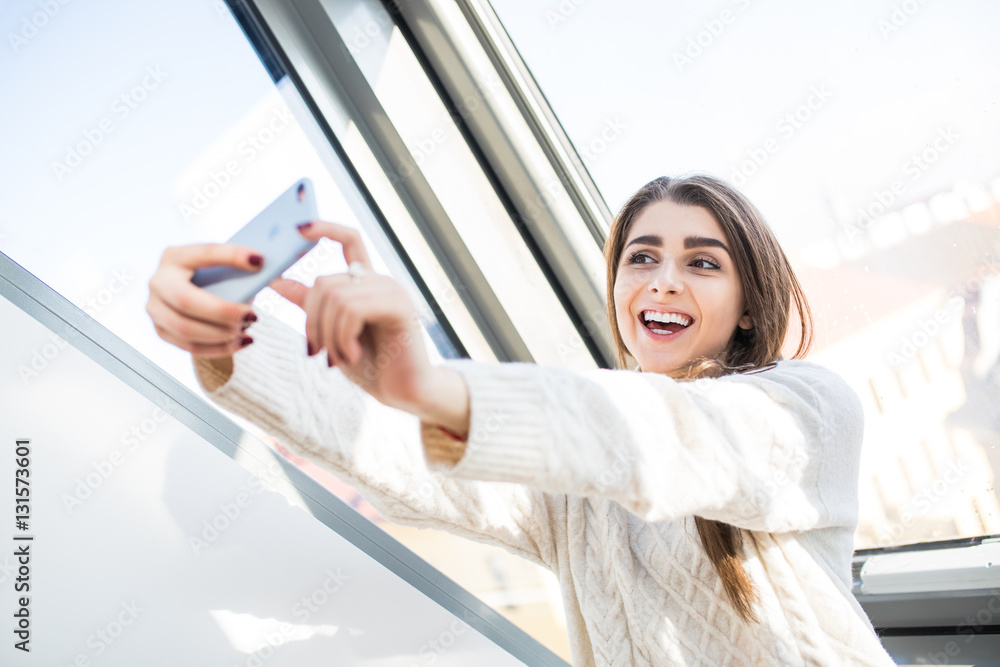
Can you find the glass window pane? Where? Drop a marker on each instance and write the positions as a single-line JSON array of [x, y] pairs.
[[157, 125], [138, 529], [173, 144], [442, 155], [863, 132]]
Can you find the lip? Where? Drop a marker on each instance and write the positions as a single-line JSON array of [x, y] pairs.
[[664, 337]]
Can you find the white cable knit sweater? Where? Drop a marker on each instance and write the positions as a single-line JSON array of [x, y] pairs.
[[597, 476]]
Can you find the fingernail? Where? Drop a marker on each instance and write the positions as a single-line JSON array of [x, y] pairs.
[[246, 340], [329, 361], [309, 349], [256, 260], [304, 226], [250, 317]]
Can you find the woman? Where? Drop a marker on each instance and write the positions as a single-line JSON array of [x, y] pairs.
[[699, 512]]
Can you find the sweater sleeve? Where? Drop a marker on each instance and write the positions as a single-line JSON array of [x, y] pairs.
[[772, 451], [322, 416]]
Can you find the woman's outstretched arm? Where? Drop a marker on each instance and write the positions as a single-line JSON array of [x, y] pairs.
[[773, 451], [320, 415]]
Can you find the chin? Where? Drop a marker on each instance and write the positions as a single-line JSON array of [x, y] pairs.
[[654, 366]]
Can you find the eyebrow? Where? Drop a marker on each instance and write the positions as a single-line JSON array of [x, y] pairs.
[[689, 242]]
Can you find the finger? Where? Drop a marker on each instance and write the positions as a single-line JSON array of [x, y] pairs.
[[315, 305], [292, 290], [349, 326], [328, 331], [348, 237], [191, 330], [200, 255], [173, 287], [172, 281], [224, 349]]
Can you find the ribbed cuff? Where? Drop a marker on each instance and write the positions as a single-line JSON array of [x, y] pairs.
[[262, 373], [439, 447], [508, 431]]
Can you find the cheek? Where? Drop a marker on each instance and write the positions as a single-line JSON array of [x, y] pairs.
[[626, 286], [622, 315], [621, 302]]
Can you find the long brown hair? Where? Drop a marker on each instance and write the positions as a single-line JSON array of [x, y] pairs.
[[769, 288]]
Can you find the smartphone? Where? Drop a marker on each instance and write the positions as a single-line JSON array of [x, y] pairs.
[[273, 234]]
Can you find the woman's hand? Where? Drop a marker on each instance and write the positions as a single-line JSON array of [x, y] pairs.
[[194, 319], [369, 328]]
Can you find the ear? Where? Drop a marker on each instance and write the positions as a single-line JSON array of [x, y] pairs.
[[746, 322]]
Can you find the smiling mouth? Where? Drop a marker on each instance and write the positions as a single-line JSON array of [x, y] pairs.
[[664, 328]]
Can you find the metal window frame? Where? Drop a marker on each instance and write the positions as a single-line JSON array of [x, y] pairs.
[[303, 36], [558, 208], [53, 311], [913, 625]]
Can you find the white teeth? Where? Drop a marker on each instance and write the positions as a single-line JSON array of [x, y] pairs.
[[666, 318]]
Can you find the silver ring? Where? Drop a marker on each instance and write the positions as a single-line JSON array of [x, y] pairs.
[[356, 271]]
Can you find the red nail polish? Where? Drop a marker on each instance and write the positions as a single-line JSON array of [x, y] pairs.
[[246, 340], [329, 360], [250, 317], [256, 260], [304, 226], [309, 349]]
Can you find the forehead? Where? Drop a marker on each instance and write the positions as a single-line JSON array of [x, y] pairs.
[[674, 221]]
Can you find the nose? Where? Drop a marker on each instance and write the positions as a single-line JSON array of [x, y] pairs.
[[666, 280]]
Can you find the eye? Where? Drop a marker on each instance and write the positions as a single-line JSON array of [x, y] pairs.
[[703, 261], [632, 259]]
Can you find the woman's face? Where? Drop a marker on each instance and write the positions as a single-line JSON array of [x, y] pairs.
[[676, 261]]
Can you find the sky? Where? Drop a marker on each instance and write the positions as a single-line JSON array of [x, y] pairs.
[[702, 86]]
